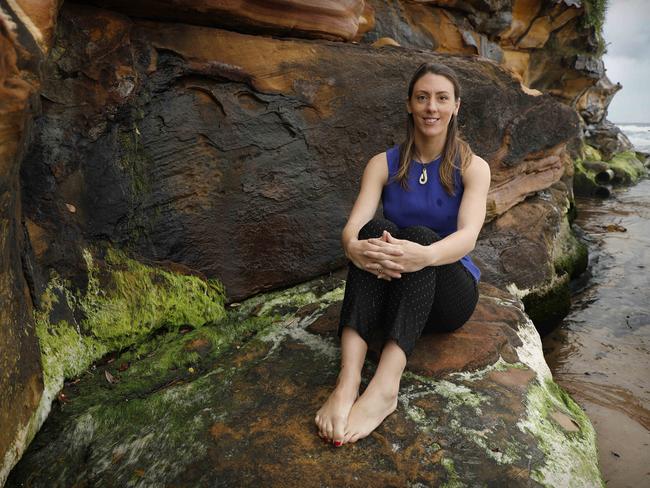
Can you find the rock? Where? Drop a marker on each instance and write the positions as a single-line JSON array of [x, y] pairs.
[[537, 34], [595, 166], [124, 303], [627, 168], [419, 26], [21, 380], [608, 138], [593, 104], [329, 19], [531, 251], [493, 421], [39, 20], [191, 141], [202, 151]]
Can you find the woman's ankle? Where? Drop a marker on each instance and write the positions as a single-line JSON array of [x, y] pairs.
[[348, 380]]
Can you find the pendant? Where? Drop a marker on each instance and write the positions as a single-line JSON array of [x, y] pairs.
[[423, 176]]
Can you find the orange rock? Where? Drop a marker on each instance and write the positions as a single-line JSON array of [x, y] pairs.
[[327, 19], [523, 13], [385, 41], [39, 18], [537, 35]]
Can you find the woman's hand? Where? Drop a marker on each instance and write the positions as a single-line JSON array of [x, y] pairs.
[[383, 267], [413, 256]]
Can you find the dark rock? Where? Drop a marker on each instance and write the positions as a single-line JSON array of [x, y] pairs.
[[187, 150], [608, 138]]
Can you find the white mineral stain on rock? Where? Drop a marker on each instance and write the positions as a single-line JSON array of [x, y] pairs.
[[530, 352], [295, 329], [470, 376], [519, 293]]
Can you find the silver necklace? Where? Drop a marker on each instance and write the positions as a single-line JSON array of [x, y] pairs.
[[423, 177]]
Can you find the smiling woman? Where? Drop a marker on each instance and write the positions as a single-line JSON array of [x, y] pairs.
[[409, 273]]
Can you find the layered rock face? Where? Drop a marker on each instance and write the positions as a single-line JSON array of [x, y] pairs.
[[213, 152], [329, 19], [239, 156]]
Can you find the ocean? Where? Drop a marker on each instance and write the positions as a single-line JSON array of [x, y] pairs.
[[639, 135]]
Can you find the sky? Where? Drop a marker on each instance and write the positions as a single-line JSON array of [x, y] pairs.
[[627, 37]]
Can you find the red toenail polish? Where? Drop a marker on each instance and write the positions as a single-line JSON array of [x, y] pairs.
[[337, 443]]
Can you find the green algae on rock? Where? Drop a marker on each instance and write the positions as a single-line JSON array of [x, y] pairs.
[[627, 167], [571, 457], [184, 414], [124, 301]]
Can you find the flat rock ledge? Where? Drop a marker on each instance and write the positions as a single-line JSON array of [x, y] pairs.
[[477, 407]]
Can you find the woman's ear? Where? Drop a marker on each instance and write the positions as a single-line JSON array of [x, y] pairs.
[[457, 107]]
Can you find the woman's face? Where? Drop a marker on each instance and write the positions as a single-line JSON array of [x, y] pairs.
[[432, 105]]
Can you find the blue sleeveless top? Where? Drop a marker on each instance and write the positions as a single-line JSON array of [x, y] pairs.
[[429, 204]]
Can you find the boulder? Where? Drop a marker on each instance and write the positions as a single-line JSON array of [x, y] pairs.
[[593, 104], [548, 46], [532, 251], [192, 409], [164, 156], [608, 138], [189, 144]]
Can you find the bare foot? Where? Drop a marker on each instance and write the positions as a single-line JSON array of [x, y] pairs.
[[332, 417], [368, 413]]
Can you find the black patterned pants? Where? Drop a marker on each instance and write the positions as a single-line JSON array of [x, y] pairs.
[[434, 299]]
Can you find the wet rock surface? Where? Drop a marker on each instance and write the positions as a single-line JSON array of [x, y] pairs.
[[199, 419]]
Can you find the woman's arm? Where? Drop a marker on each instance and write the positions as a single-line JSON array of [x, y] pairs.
[[471, 215], [375, 176]]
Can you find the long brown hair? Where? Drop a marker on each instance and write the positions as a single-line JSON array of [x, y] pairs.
[[455, 149]]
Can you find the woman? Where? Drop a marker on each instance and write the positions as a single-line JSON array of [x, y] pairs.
[[409, 273]]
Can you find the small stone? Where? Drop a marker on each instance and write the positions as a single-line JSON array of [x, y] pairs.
[[71, 208]]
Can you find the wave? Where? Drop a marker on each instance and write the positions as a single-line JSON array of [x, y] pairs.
[[635, 127]]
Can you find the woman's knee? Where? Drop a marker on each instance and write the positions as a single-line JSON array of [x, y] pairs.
[[376, 227], [418, 233]]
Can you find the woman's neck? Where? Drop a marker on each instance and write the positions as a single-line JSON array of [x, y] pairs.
[[428, 150]]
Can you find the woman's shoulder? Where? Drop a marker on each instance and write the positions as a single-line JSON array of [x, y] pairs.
[[477, 170], [378, 163], [390, 158], [479, 164]]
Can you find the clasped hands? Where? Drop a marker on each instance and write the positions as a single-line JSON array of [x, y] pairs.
[[388, 257]]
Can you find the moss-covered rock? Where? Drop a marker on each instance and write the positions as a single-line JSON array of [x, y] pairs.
[[123, 303], [584, 180], [591, 153], [627, 167], [189, 409]]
